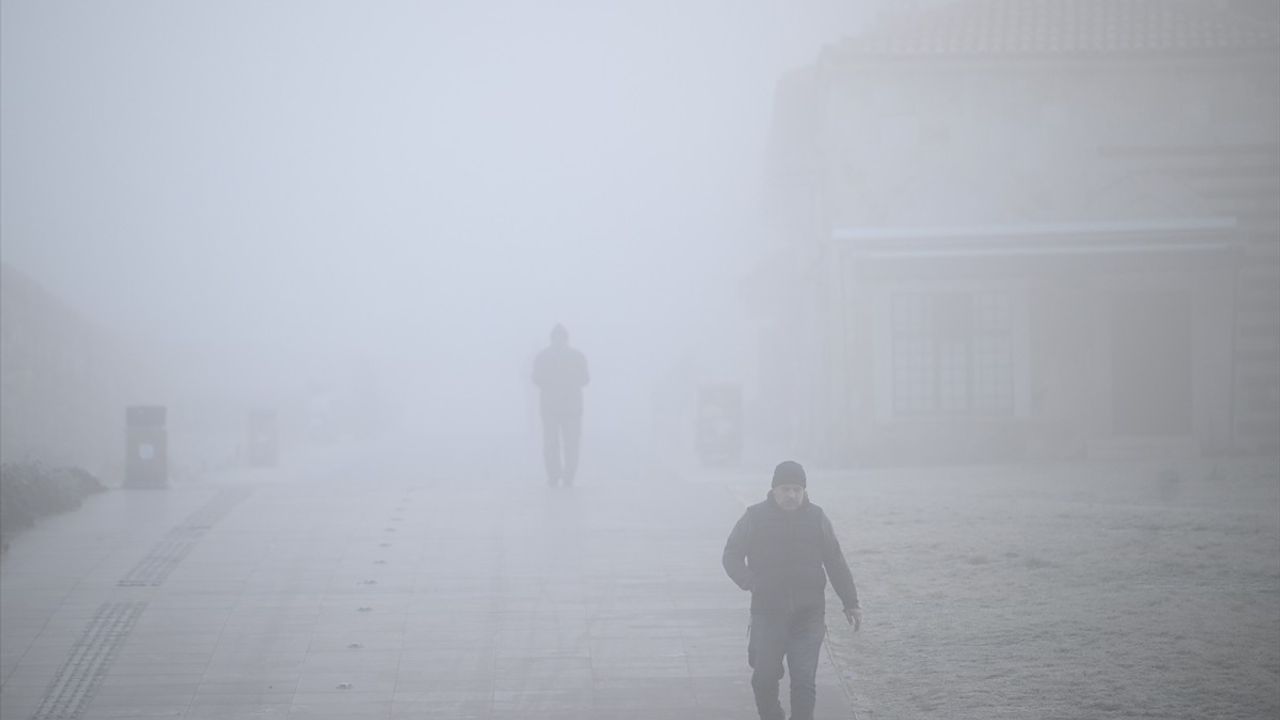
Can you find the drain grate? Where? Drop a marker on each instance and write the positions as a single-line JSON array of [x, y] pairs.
[[79, 677], [155, 567]]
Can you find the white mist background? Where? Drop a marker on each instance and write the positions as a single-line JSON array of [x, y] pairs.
[[270, 194]]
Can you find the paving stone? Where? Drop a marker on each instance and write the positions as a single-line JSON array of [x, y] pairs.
[[490, 600]]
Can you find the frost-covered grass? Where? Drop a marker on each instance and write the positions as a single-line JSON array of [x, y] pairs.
[[1084, 591]]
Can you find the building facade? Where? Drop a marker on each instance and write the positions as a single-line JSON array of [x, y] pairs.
[[1029, 229], [64, 382]]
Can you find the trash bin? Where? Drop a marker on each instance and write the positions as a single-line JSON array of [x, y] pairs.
[[146, 463], [719, 429], [264, 440]]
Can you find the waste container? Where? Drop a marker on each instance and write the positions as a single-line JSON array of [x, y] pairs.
[[146, 463], [264, 440], [719, 424]]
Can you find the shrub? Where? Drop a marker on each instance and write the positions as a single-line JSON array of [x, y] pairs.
[[30, 491]]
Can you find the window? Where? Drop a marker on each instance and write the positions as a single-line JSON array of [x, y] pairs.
[[953, 353]]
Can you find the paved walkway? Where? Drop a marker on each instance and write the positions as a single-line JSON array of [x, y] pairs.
[[359, 590]]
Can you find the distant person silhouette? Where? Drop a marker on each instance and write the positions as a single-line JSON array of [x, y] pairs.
[[560, 372]]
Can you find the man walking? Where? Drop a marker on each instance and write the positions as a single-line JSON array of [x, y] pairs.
[[782, 551], [560, 372]]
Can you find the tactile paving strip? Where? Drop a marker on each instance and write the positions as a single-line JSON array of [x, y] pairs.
[[79, 677], [178, 542]]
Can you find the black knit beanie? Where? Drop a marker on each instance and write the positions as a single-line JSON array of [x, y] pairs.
[[789, 472]]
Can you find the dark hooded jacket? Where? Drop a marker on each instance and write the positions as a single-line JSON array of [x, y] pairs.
[[784, 558], [560, 371]]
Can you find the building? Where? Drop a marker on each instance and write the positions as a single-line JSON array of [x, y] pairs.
[[60, 379], [1028, 228]]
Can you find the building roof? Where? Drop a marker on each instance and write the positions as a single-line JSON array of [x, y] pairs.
[[1065, 28]]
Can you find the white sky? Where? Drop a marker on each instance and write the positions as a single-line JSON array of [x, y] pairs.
[[394, 178]]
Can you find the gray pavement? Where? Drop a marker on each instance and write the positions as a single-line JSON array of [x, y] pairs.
[[357, 589]]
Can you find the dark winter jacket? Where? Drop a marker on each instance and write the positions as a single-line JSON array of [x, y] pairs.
[[785, 556], [561, 372]]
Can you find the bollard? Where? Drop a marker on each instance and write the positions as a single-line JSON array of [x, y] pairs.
[[146, 463], [719, 424]]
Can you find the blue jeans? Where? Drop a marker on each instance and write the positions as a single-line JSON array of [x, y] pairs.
[[797, 638]]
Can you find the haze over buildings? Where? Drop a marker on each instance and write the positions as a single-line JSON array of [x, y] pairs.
[[257, 204]]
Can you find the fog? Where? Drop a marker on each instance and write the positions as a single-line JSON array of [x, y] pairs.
[[278, 362], [414, 191]]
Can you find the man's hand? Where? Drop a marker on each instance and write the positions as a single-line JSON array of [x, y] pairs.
[[854, 616]]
